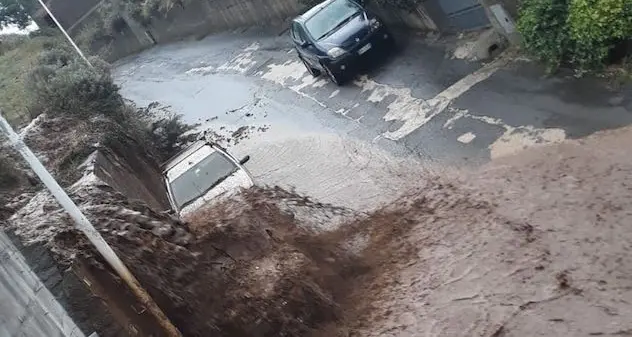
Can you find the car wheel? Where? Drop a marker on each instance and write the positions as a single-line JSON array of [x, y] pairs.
[[335, 77], [310, 70]]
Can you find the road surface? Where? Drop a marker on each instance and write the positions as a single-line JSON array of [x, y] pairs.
[[420, 109]]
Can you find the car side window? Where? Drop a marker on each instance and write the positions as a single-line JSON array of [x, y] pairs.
[[296, 32]]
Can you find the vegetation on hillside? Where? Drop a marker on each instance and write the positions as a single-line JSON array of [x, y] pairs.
[[585, 34], [83, 106], [63, 85], [17, 58]]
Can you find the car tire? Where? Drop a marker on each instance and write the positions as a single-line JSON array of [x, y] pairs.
[[337, 78], [310, 70]]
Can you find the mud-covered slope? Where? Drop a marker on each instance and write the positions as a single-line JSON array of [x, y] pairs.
[[534, 244], [246, 267]]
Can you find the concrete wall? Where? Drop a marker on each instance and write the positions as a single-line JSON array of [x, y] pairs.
[[197, 18], [131, 174], [417, 19], [27, 307]]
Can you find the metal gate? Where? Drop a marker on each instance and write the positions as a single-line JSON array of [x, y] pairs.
[[464, 14]]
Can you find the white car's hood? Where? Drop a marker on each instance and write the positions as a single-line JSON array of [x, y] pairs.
[[234, 183]]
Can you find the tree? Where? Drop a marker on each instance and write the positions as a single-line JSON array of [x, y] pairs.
[[16, 12]]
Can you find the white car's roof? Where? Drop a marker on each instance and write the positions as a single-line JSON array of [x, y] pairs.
[[175, 160], [187, 162]]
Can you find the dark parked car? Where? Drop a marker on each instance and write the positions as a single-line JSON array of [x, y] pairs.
[[334, 36]]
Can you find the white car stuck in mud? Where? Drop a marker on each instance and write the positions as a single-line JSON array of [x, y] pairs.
[[202, 173]]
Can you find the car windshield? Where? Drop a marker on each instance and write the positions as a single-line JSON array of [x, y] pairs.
[[201, 177], [331, 17]]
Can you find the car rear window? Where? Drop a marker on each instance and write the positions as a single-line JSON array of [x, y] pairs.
[[330, 17]]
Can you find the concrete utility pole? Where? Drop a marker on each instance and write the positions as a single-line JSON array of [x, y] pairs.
[[65, 33], [83, 224]]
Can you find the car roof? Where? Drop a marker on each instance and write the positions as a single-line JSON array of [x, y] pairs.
[[312, 11], [171, 163]]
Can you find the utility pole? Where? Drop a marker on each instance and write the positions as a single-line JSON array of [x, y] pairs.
[[83, 224], [65, 33]]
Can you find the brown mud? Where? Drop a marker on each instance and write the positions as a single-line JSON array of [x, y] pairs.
[[536, 244]]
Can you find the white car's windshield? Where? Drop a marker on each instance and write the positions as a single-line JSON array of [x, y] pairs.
[[201, 177], [331, 18]]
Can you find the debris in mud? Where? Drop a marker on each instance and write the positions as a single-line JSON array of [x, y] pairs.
[[239, 133], [226, 138]]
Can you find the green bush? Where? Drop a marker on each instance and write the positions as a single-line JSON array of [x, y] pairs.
[[168, 136], [596, 26], [63, 84], [544, 29], [580, 33]]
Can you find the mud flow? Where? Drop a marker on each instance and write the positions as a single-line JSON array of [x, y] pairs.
[[530, 245]]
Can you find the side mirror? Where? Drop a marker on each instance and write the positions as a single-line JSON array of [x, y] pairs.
[[305, 44], [170, 212], [244, 160]]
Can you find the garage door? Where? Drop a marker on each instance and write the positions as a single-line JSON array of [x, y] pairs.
[[464, 14]]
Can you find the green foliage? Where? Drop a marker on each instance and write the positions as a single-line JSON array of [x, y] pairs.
[[11, 42], [542, 24], [581, 33], [595, 27], [64, 84], [16, 61], [169, 136]]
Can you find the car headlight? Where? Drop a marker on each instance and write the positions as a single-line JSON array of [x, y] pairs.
[[335, 52], [375, 23]]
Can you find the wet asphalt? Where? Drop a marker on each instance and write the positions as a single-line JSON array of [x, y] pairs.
[[397, 108]]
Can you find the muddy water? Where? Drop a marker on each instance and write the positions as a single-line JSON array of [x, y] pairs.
[[536, 244], [330, 168]]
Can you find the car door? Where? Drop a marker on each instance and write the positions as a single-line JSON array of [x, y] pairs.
[[304, 46]]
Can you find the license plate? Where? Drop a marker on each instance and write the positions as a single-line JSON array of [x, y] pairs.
[[364, 49]]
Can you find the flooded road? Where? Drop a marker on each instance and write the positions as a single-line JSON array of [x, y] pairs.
[[420, 109]]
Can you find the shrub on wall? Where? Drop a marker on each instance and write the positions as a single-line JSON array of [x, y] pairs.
[[580, 33], [544, 29], [596, 26]]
